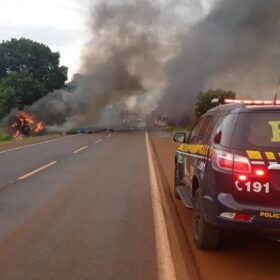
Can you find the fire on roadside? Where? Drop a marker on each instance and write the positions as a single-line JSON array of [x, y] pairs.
[[25, 124]]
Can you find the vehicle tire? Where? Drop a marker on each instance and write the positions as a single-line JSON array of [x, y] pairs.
[[176, 183], [206, 236]]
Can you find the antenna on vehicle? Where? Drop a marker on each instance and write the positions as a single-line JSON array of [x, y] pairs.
[[221, 100], [277, 90], [275, 99]]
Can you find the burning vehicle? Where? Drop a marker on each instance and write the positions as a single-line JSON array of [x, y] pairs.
[[25, 124]]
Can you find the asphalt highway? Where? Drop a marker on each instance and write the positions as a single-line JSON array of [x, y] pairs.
[[77, 207], [244, 256], [100, 207]]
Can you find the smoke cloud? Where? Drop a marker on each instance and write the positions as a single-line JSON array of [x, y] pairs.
[[155, 56], [124, 63], [234, 47], [120, 61]]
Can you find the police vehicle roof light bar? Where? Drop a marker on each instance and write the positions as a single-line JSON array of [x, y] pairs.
[[221, 101], [251, 102]]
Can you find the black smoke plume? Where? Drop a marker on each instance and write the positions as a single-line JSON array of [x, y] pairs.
[[157, 55], [236, 46], [122, 53]]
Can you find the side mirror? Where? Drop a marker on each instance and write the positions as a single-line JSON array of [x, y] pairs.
[[180, 137]]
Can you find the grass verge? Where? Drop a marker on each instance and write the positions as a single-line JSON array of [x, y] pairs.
[[173, 130], [4, 138]]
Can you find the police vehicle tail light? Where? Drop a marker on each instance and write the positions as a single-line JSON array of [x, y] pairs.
[[257, 172], [222, 160], [241, 164], [225, 161], [260, 172], [242, 177], [241, 217]]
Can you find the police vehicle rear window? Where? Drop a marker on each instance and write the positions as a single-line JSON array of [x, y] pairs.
[[257, 130]]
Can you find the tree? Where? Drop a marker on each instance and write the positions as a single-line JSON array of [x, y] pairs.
[[7, 100], [25, 55], [204, 99], [27, 89], [28, 71]]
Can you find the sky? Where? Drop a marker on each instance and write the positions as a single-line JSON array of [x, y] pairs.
[[60, 24]]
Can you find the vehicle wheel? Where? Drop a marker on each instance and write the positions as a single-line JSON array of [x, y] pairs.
[[176, 183], [206, 236]]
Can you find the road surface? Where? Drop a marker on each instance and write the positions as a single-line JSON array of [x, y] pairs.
[[78, 207], [244, 256], [91, 207]]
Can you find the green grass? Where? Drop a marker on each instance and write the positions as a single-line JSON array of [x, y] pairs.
[[174, 129], [4, 138]]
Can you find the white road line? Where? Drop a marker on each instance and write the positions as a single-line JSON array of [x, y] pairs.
[[108, 136], [98, 141], [81, 149], [37, 170], [36, 144], [164, 257]]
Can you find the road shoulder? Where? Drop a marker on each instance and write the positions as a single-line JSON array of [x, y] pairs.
[[163, 149]]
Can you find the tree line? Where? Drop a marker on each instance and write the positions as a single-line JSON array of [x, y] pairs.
[[204, 99], [28, 71]]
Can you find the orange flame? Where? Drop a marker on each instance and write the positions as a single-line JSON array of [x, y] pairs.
[[25, 124]]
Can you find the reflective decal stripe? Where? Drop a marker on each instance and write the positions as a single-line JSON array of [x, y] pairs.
[[257, 155], [204, 151], [182, 147], [192, 149], [258, 162], [193, 155], [270, 156], [254, 155]]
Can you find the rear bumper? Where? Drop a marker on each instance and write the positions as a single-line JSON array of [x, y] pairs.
[[225, 203]]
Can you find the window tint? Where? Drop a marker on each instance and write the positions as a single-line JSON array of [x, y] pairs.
[[257, 131], [193, 138], [225, 126], [204, 132]]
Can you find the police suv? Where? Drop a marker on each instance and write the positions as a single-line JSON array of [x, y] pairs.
[[228, 170]]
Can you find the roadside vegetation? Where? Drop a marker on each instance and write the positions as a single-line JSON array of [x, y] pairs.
[[203, 104], [173, 129], [28, 71], [204, 99], [4, 137]]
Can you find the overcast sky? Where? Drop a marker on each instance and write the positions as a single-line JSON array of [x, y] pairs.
[[61, 24]]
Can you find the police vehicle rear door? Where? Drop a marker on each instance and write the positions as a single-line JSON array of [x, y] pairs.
[[257, 138]]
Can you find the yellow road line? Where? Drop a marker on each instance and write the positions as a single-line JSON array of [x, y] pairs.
[[98, 141], [164, 257], [37, 170], [81, 149]]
